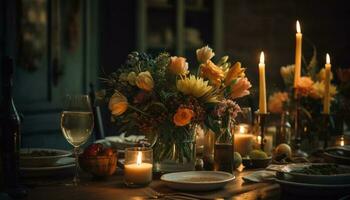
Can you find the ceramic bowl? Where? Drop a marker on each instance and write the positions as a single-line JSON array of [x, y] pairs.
[[256, 163]]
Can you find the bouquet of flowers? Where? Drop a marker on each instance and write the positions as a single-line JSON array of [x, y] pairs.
[[160, 97]]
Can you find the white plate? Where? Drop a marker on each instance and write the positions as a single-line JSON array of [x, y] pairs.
[[339, 179], [62, 166], [41, 161], [197, 180]]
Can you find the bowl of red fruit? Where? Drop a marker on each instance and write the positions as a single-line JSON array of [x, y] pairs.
[[98, 160]]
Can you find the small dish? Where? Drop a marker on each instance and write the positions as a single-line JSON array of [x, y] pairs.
[[41, 157], [197, 180], [256, 163]]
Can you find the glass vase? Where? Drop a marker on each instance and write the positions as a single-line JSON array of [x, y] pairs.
[[284, 129], [172, 154], [223, 151]]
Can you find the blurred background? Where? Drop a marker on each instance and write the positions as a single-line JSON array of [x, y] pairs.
[[63, 46]]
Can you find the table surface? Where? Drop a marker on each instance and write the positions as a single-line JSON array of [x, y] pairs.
[[113, 188]]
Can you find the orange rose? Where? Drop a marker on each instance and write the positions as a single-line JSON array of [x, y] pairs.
[[178, 65], [304, 86], [212, 72], [118, 104], [183, 116]]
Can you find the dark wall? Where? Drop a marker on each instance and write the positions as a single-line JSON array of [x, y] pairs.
[[117, 32]]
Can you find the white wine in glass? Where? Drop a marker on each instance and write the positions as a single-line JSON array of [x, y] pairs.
[[77, 126], [77, 123]]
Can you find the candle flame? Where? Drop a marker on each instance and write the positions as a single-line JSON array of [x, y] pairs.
[[259, 139], [262, 58], [342, 141], [298, 27], [139, 158], [241, 129], [328, 59]]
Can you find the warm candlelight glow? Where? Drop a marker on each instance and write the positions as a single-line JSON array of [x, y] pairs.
[[328, 59], [262, 58], [138, 166], [298, 27], [342, 141], [139, 158], [259, 139], [243, 141], [242, 129]]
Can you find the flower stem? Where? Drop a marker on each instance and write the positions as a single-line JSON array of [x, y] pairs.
[[138, 110]]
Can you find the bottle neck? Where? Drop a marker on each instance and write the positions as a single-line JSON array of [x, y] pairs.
[[7, 101]]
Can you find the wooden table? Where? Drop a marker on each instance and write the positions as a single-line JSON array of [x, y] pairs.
[[114, 189]]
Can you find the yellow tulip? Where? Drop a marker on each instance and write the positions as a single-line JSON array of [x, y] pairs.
[[145, 81]]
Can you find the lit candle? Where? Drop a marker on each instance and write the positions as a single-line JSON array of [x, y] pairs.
[[243, 142], [262, 85], [327, 98], [297, 69], [139, 173], [268, 146], [342, 141]]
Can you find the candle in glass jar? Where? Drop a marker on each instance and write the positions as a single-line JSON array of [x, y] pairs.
[[138, 173], [298, 45], [262, 85], [268, 146], [243, 142], [327, 99]]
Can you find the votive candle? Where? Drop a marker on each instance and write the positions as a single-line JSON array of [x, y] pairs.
[[138, 166]]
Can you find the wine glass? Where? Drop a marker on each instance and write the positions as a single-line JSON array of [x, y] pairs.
[[77, 123]]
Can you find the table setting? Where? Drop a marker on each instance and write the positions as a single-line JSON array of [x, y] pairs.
[[184, 135]]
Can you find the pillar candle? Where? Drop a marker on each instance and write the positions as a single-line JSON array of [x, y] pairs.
[[297, 69], [262, 85], [327, 98], [243, 141]]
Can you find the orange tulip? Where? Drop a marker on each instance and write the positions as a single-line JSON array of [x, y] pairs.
[[118, 104], [235, 72], [212, 72]]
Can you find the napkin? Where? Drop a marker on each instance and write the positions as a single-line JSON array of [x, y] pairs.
[[121, 141], [259, 176]]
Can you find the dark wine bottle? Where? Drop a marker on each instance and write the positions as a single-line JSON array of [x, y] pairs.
[[10, 134]]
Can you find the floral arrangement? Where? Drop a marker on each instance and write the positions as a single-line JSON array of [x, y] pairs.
[[309, 87], [161, 96]]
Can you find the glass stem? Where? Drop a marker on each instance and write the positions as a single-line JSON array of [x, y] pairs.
[[76, 174]]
